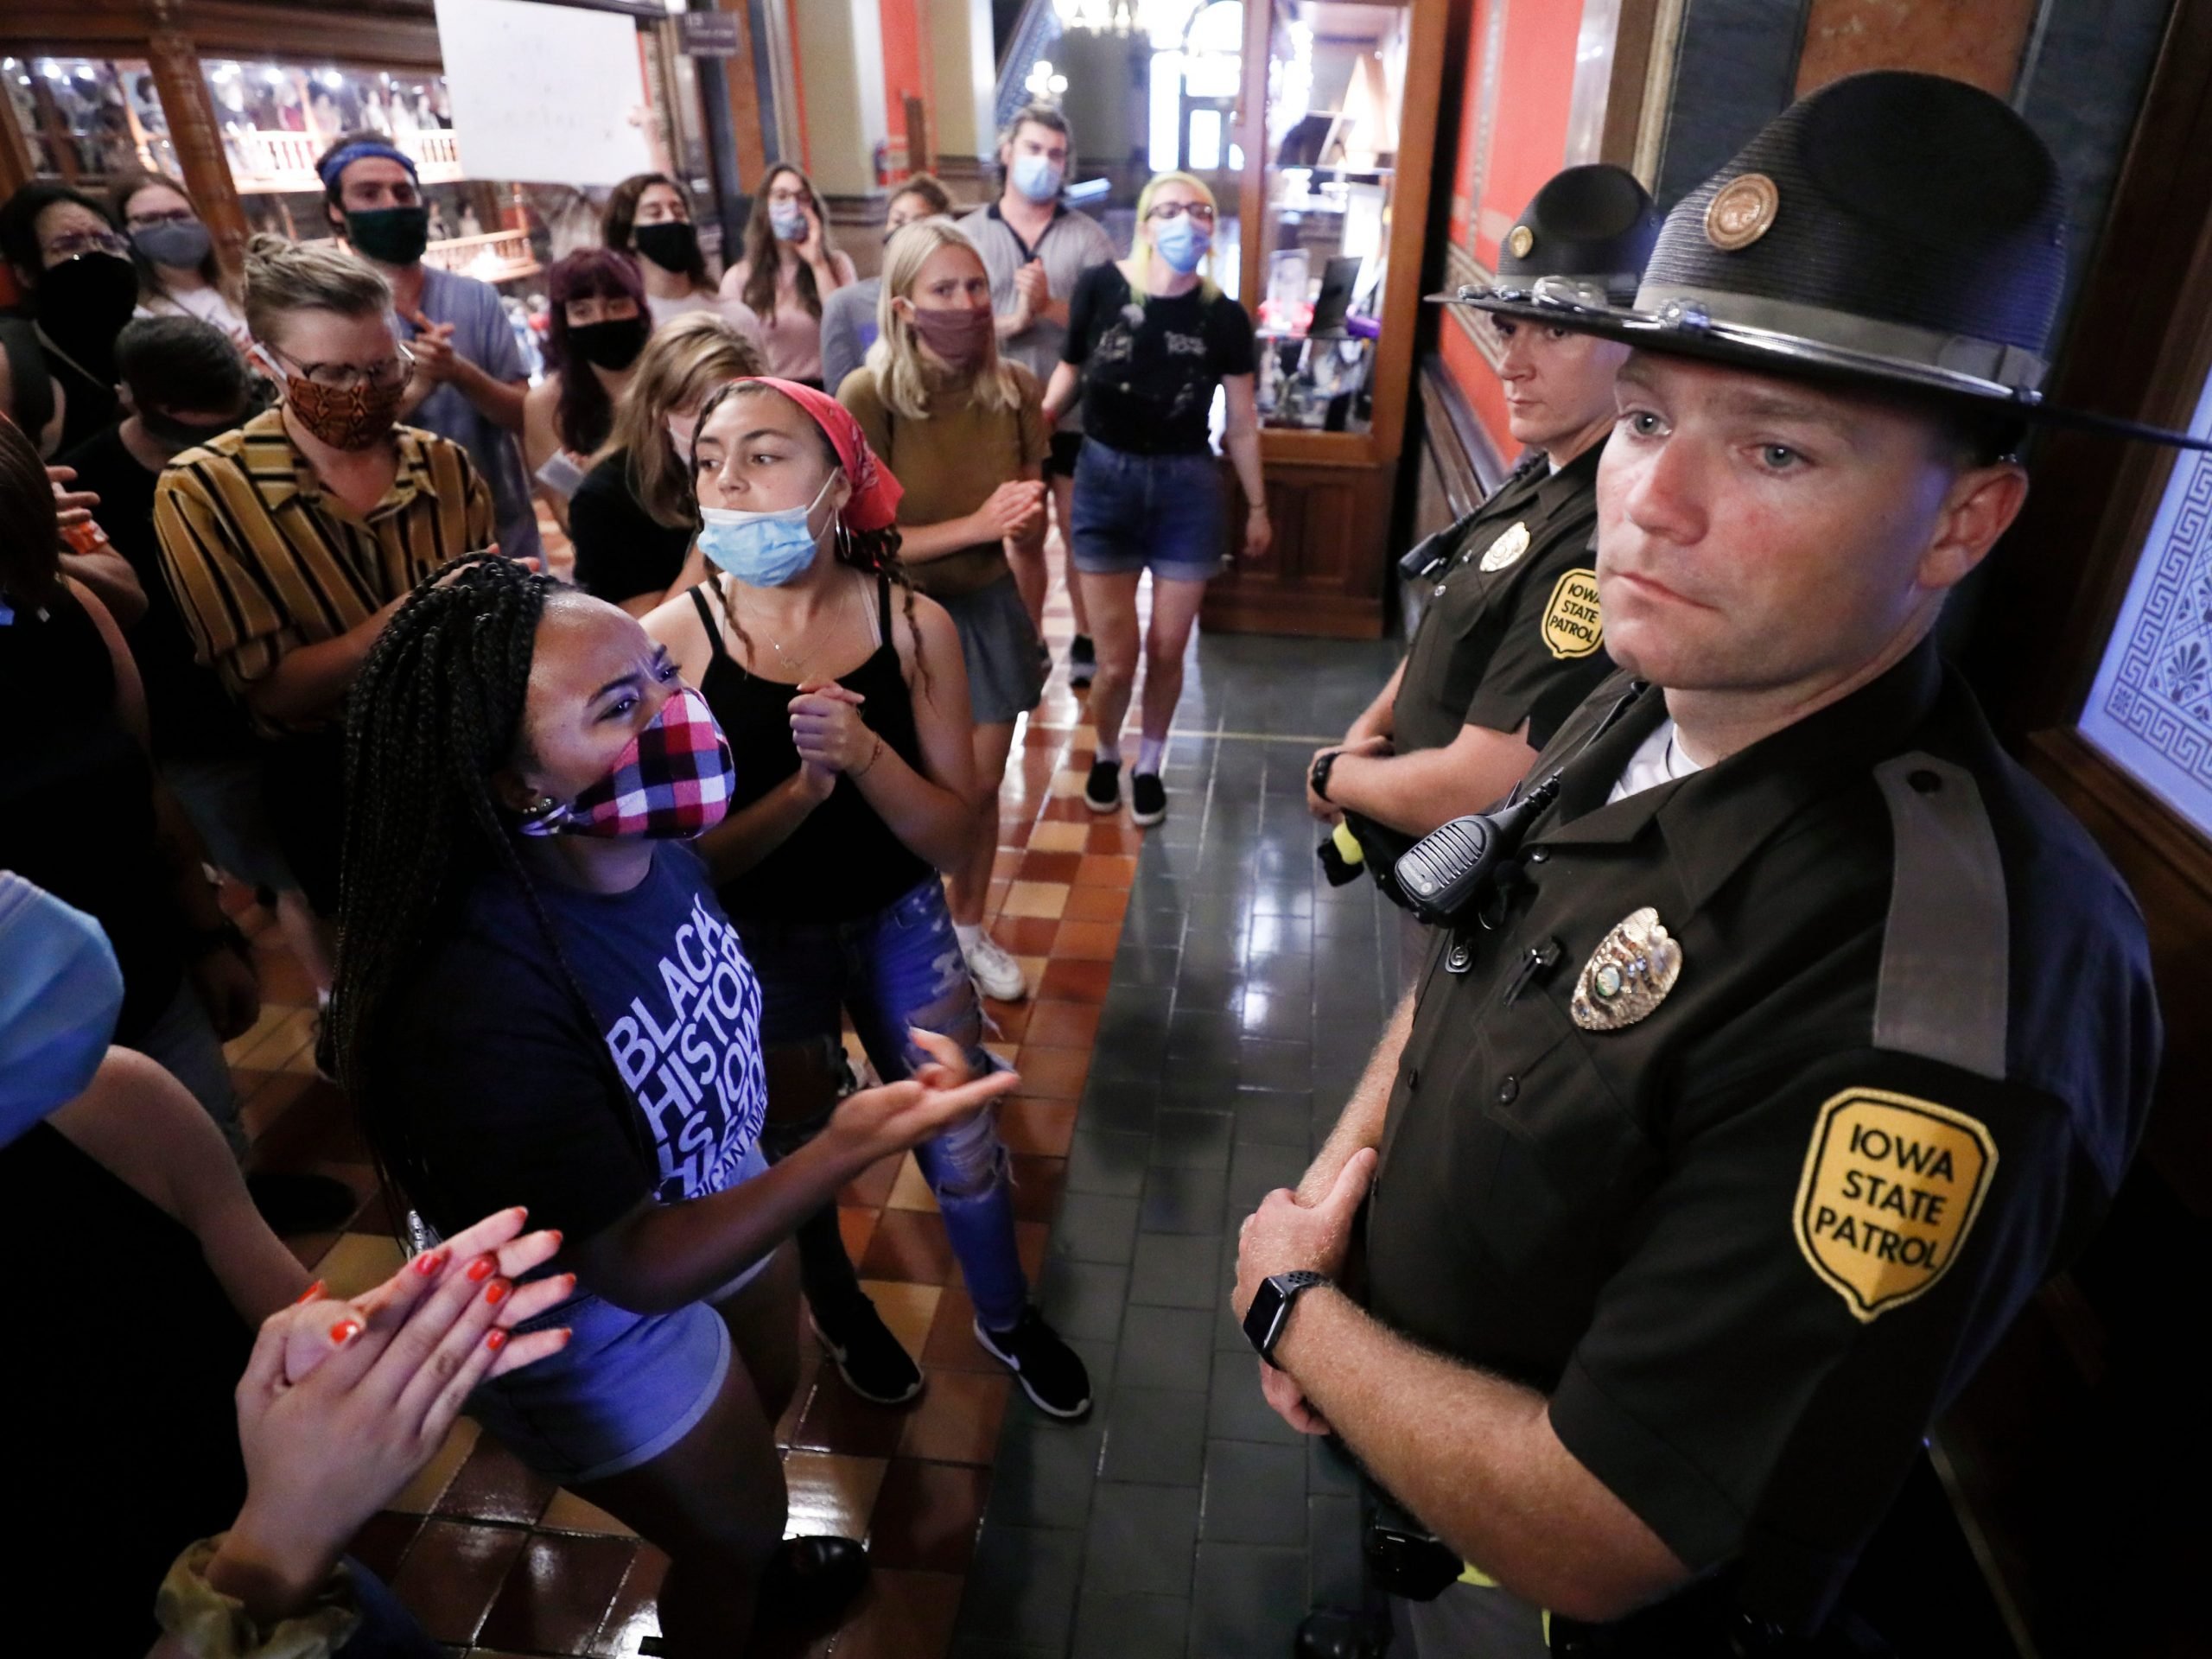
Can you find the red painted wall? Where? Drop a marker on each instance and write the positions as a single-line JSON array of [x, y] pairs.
[[905, 72], [1535, 78]]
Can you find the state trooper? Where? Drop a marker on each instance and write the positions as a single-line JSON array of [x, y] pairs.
[[1781, 1036], [1510, 637]]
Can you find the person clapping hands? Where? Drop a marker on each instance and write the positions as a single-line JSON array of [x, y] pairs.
[[342, 1402]]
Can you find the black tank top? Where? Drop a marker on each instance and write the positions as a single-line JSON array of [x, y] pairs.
[[842, 862], [77, 798]]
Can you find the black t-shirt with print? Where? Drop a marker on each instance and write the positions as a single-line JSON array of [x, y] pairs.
[[507, 1093], [1150, 370]]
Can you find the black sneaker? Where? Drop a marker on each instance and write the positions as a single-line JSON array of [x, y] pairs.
[[1103, 791], [869, 1358], [292, 1204], [1051, 1373], [1082, 662], [1148, 798]]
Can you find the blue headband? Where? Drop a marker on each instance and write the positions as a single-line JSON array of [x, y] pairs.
[[333, 165]]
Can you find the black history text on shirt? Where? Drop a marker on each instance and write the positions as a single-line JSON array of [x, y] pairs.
[[692, 1056]]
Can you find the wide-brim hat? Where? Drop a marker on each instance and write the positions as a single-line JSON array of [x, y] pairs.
[[1896, 231], [1585, 237]]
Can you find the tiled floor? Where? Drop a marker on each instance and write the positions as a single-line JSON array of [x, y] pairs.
[[1229, 998]]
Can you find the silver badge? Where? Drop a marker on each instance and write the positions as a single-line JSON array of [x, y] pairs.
[[1506, 548], [1628, 975]]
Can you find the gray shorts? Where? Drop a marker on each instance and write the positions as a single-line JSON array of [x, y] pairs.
[[1006, 670]]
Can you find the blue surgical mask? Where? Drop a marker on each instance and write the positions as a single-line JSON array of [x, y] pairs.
[[1181, 242], [762, 549], [1037, 177], [788, 223], [60, 993]]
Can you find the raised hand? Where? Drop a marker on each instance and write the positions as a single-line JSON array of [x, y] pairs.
[[1013, 509], [827, 730], [940, 1096]]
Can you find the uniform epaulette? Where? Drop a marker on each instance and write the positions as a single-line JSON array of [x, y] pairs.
[[1944, 988]]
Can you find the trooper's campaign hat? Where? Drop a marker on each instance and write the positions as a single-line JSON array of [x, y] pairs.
[[1587, 232], [1895, 231]]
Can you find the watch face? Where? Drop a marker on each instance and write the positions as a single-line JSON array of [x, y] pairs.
[[1262, 1317]]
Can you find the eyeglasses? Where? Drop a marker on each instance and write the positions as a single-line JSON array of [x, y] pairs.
[[174, 216], [1173, 210], [70, 244], [344, 377]]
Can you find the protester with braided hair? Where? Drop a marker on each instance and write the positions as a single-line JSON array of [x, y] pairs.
[[855, 787], [538, 998]]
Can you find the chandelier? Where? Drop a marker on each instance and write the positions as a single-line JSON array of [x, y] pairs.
[[1123, 18]]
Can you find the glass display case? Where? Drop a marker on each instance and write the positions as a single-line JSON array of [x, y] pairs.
[[87, 120], [1335, 84], [1336, 124]]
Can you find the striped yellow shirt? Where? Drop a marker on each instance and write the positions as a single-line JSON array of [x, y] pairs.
[[262, 560]]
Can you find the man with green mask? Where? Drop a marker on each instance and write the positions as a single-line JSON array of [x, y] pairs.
[[469, 377]]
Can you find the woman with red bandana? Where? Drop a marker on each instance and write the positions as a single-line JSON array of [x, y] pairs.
[[845, 697], [540, 998]]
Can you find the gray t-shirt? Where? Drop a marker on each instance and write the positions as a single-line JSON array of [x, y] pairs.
[[848, 330], [482, 334], [1070, 244]]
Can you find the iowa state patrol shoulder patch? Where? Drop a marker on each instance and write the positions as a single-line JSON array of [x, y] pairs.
[[1572, 625], [1891, 1188]]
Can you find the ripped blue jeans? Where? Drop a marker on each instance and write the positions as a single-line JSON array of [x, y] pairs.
[[899, 967]]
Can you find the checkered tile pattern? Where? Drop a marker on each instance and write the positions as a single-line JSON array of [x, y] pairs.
[[496, 1561]]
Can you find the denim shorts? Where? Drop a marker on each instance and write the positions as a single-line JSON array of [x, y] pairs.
[[1169, 512], [626, 1388]]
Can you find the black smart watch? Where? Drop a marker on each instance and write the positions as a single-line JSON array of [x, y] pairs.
[[1317, 778], [1265, 1320]]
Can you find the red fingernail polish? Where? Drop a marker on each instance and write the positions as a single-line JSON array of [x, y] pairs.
[[496, 1291], [565, 1334], [554, 1233], [308, 1294], [429, 1263], [571, 1278], [482, 1269], [344, 1330], [496, 1340]]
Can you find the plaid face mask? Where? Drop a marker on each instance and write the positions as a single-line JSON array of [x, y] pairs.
[[671, 782]]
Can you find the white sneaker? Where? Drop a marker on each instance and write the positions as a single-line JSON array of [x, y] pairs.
[[995, 971]]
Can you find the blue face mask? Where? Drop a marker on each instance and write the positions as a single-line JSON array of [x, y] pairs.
[[1037, 177], [762, 549], [788, 223], [1181, 242], [60, 993]]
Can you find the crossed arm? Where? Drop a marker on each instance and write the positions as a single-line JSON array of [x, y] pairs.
[[1471, 1454]]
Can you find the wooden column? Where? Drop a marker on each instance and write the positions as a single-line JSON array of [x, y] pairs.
[[16, 166], [744, 104], [175, 62]]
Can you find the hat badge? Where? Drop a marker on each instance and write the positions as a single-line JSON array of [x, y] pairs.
[[1519, 240], [1741, 212]]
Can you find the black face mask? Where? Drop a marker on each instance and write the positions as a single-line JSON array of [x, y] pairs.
[[82, 305], [614, 344], [672, 245], [390, 236]]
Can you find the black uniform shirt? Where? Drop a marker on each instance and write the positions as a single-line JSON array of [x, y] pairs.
[[1523, 641], [1750, 1244]]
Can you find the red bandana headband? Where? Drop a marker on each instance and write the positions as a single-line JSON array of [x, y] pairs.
[[873, 503]]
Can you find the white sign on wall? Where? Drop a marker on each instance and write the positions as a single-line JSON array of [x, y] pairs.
[[544, 94]]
